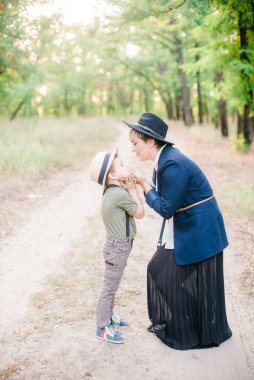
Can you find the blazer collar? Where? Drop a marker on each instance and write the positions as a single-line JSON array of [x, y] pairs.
[[165, 154], [156, 161]]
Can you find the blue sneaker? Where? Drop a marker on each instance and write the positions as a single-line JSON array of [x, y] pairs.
[[116, 321], [108, 334]]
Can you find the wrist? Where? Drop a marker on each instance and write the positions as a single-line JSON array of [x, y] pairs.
[[144, 182]]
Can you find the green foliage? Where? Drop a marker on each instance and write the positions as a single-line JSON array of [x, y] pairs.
[[239, 200], [240, 145], [139, 58]]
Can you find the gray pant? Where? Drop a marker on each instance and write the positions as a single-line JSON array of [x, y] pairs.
[[116, 253]]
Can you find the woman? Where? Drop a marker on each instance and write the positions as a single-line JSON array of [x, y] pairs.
[[185, 285]]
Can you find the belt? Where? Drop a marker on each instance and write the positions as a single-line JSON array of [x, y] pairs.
[[194, 204]]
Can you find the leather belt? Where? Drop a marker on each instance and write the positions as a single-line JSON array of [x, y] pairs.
[[194, 204]]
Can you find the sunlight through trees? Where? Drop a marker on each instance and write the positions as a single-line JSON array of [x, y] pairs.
[[189, 60]]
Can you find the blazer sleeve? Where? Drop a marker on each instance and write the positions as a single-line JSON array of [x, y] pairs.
[[174, 179]]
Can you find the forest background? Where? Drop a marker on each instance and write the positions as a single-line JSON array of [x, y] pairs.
[[184, 59]]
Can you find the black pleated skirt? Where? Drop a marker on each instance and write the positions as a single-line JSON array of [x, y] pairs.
[[186, 303]]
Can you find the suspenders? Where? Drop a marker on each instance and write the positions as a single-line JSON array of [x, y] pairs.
[[127, 224], [161, 233]]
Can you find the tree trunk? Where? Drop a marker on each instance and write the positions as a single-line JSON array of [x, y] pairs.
[[20, 105], [169, 107], [110, 103], [186, 99], [200, 103], [223, 117], [122, 98], [185, 89], [82, 107], [215, 121], [239, 125], [247, 121], [205, 109], [247, 124], [192, 116], [146, 101], [178, 111], [66, 100], [222, 106]]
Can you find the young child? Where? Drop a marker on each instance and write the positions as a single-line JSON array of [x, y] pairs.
[[120, 205]]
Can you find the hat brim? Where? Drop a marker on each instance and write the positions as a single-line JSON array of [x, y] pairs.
[[147, 133], [111, 159]]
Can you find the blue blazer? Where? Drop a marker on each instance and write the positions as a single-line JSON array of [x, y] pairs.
[[199, 232]]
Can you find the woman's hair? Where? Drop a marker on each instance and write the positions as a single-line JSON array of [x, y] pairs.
[[144, 137]]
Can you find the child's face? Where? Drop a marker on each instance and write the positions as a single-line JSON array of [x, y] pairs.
[[120, 169]]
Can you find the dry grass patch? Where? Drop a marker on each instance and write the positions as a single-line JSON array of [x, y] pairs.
[[30, 148], [9, 370]]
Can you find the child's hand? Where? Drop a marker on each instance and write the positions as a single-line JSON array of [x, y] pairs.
[[128, 183]]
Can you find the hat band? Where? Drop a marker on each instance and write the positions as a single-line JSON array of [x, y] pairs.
[[103, 168], [150, 130]]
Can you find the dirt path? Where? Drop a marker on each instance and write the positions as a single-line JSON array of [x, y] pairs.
[[34, 250], [51, 272]]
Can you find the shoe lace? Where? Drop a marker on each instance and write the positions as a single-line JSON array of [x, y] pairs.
[[116, 318], [111, 330]]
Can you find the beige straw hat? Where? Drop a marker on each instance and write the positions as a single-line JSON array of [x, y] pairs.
[[100, 166]]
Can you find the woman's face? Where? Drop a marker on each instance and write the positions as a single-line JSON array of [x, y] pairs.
[[140, 147]]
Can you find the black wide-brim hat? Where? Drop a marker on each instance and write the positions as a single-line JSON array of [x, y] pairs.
[[151, 125]]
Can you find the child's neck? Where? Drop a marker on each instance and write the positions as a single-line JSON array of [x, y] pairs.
[[113, 182]]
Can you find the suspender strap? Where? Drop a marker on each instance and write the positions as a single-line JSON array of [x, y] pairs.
[[161, 233], [127, 222]]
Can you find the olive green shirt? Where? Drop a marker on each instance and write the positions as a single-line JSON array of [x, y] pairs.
[[116, 200]]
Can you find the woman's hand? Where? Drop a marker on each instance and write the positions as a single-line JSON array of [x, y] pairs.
[[137, 176], [141, 180]]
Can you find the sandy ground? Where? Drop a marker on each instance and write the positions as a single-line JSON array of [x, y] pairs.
[[51, 274]]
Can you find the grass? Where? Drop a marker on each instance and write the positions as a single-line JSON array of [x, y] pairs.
[[239, 145], [31, 148], [239, 200], [10, 370]]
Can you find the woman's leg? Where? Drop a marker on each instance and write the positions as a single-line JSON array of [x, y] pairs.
[[188, 300]]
